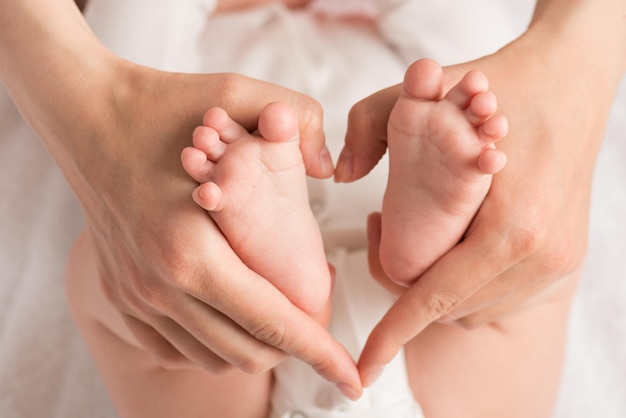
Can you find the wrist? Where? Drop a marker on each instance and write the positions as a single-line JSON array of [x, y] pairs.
[[49, 62], [62, 79], [556, 82], [584, 34]]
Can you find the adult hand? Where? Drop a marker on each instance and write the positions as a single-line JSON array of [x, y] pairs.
[[532, 227], [183, 292], [116, 131]]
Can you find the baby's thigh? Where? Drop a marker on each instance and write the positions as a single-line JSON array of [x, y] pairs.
[[138, 386], [510, 368]]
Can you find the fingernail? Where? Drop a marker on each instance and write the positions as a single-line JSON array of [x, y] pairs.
[[372, 376], [326, 162], [349, 391], [344, 166]]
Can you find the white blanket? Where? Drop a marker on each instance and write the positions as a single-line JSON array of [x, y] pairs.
[[45, 369]]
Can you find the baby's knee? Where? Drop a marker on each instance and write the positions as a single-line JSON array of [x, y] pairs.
[[85, 296]]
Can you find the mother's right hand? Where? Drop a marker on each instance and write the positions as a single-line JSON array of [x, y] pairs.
[[183, 291], [164, 264], [116, 130]]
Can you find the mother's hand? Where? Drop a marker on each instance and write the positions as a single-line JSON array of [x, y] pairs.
[[532, 227], [117, 130], [164, 264]]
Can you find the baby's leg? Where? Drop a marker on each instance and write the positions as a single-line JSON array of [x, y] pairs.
[[138, 386], [441, 157], [254, 187], [510, 368]]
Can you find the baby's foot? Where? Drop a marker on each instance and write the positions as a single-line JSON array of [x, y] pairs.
[[254, 187], [441, 161]]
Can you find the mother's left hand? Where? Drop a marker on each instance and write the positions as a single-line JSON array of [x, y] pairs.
[[531, 230]]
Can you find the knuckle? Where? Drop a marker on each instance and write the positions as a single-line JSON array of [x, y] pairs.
[[252, 366], [133, 303], [181, 279], [562, 259], [527, 238], [141, 291], [209, 361], [176, 266], [260, 360], [176, 269], [440, 304], [168, 358], [322, 367], [270, 333]]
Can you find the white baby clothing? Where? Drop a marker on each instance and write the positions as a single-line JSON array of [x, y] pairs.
[[358, 304]]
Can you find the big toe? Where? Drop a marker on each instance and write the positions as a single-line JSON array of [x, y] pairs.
[[423, 80], [278, 122]]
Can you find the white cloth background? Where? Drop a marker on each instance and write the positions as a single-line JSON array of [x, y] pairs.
[[45, 369]]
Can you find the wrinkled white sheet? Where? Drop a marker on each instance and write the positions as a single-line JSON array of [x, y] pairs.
[[45, 370]]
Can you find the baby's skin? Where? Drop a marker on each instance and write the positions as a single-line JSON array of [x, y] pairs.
[[254, 187], [441, 161]]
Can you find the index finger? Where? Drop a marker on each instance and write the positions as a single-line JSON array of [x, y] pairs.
[[267, 315], [456, 276]]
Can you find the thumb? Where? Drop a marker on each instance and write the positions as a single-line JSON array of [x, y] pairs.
[[366, 136]]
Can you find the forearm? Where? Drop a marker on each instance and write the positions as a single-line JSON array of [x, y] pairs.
[[584, 35], [573, 38], [568, 64], [49, 59]]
